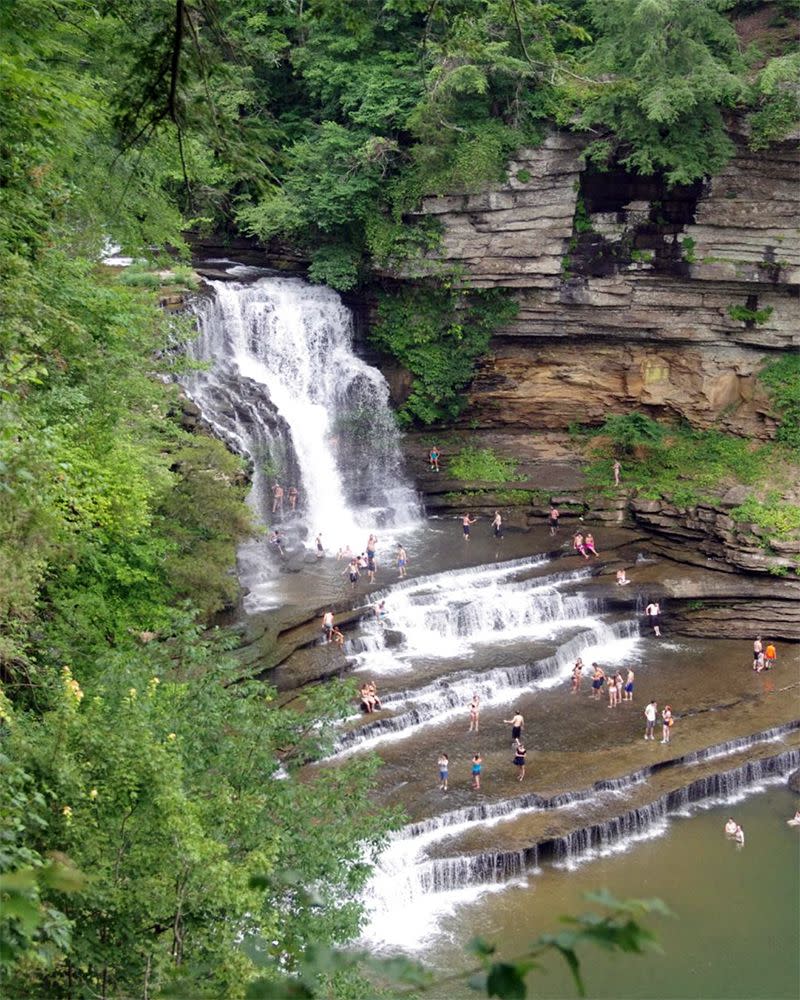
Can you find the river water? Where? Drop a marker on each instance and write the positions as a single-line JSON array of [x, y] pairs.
[[736, 927], [506, 619]]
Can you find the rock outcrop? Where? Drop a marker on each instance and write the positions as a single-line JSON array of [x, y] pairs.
[[631, 295]]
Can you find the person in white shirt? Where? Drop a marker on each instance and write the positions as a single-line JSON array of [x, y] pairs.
[[650, 713]]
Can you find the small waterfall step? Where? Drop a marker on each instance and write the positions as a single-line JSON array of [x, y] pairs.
[[566, 835]]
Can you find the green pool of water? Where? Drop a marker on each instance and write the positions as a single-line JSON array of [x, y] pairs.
[[736, 928]]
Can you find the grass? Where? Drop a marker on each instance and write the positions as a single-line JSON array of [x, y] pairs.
[[484, 465], [688, 467]]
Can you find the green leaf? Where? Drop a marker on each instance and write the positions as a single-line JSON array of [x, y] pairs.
[[505, 981]]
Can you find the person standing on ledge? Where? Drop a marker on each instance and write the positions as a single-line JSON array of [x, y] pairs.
[[516, 726], [444, 767], [653, 612], [474, 712], [433, 456], [650, 718], [554, 516], [519, 760], [277, 498], [617, 469], [293, 495], [466, 523], [477, 763], [402, 561]]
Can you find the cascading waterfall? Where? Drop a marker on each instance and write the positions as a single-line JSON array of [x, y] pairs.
[[429, 886], [285, 389]]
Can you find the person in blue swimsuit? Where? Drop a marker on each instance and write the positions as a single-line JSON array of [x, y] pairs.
[[477, 764], [628, 695]]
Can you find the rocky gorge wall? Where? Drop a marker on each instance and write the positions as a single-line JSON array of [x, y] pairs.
[[624, 288]]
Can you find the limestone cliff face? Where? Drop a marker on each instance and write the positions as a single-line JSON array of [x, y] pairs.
[[624, 288]]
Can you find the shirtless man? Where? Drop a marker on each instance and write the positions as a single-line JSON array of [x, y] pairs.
[[293, 495], [497, 525], [516, 726], [758, 653], [554, 516], [628, 693], [598, 679], [402, 562], [277, 498], [327, 625], [653, 612], [466, 524]]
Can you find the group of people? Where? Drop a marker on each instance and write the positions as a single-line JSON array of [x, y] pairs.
[[366, 562], [517, 724], [584, 544], [650, 717], [619, 688], [764, 656], [368, 692], [331, 632], [278, 494]]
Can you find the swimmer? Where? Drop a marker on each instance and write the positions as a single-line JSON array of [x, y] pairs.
[[588, 543], [497, 525], [739, 836], [622, 578], [380, 610], [795, 820], [731, 827]]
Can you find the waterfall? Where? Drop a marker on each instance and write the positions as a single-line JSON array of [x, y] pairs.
[[426, 887], [283, 387]]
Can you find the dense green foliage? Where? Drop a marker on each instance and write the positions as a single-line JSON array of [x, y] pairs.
[[154, 833], [688, 466], [782, 379], [438, 333], [482, 464]]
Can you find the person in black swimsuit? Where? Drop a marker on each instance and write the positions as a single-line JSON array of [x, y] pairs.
[[516, 726], [519, 760]]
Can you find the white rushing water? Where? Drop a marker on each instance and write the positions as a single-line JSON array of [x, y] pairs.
[[283, 387]]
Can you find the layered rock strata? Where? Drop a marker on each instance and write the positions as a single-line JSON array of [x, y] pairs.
[[631, 295]]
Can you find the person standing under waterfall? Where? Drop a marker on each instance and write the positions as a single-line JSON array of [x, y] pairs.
[[402, 562], [474, 712], [653, 612], [277, 498], [497, 525], [320, 549], [517, 723], [293, 495], [477, 764], [466, 523], [519, 759]]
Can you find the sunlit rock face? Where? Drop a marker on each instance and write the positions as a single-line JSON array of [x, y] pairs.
[[631, 295]]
